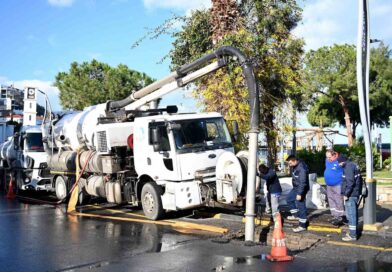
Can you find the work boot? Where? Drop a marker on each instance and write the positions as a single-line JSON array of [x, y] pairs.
[[299, 229], [337, 221], [292, 217], [268, 211], [349, 238]]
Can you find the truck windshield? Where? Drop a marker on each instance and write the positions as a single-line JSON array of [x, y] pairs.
[[204, 134], [34, 142]]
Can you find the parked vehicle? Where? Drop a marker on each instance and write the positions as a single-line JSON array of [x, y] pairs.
[[23, 156], [131, 153]]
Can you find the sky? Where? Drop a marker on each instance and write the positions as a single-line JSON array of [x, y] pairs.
[[40, 38]]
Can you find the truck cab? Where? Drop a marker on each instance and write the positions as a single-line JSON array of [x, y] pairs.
[[180, 152], [30, 161]]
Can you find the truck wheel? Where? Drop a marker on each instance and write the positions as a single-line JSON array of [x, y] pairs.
[[61, 187], [151, 201], [18, 182], [83, 196]]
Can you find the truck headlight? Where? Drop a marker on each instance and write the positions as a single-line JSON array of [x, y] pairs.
[[27, 180]]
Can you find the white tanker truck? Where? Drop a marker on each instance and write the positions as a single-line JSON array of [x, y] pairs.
[[133, 154], [23, 156]]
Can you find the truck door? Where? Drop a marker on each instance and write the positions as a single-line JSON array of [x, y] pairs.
[[162, 161]]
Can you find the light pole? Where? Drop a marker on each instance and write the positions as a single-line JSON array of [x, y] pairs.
[[380, 148], [390, 141], [369, 211]]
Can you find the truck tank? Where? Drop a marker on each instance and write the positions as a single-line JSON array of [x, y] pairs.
[[74, 129], [7, 151], [82, 130]]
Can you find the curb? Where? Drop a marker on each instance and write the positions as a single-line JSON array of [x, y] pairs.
[[262, 222], [314, 227]]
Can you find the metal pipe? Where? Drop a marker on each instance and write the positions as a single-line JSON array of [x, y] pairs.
[[113, 105], [251, 189], [369, 213], [173, 86]]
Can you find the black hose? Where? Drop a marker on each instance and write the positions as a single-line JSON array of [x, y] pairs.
[[248, 73], [217, 54]]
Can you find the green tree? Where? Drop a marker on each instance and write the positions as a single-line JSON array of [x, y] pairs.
[[331, 77], [262, 30], [93, 83], [380, 77]]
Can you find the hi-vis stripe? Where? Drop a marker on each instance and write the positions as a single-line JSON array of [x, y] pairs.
[[336, 210], [352, 227], [294, 211], [303, 220]]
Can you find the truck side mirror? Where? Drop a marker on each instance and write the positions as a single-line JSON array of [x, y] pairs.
[[174, 126], [236, 132], [16, 141], [155, 139]]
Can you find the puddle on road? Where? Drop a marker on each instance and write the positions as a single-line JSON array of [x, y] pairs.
[[371, 265]]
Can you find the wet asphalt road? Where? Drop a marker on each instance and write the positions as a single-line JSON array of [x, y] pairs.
[[44, 238]]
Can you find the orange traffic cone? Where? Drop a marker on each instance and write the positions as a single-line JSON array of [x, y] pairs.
[[279, 249], [10, 194]]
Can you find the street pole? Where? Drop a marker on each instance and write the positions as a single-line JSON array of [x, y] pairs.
[[390, 143], [294, 147], [369, 212], [380, 144], [282, 155]]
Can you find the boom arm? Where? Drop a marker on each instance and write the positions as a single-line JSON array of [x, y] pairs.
[[189, 73], [150, 94]]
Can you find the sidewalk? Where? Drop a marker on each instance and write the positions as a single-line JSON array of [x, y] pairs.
[[320, 231]]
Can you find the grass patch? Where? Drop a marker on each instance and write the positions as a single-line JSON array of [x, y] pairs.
[[320, 180], [376, 174], [382, 174]]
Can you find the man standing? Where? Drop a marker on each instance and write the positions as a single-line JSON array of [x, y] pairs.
[[296, 199], [274, 190], [333, 178], [351, 190]]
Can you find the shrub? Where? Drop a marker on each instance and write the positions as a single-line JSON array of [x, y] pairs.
[[316, 159], [387, 163]]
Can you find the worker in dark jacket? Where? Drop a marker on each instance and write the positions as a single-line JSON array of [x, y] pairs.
[[274, 190], [351, 190], [296, 199]]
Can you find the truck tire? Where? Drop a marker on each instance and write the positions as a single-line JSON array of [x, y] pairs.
[[151, 201], [61, 187], [18, 182], [83, 196]]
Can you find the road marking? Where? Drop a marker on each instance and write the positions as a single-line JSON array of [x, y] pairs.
[[127, 213], [116, 211], [259, 222], [174, 224], [325, 229], [359, 246]]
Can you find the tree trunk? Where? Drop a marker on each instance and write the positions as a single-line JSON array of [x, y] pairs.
[[271, 139], [347, 120], [224, 17]]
